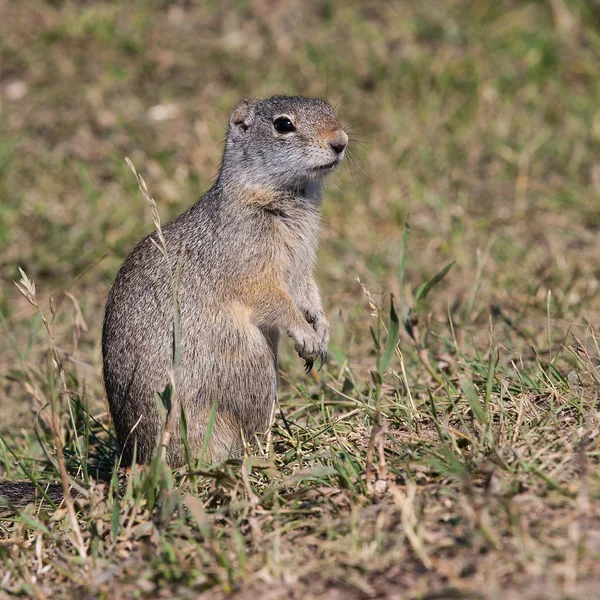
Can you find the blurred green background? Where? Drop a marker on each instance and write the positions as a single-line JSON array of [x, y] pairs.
[[479, 121]]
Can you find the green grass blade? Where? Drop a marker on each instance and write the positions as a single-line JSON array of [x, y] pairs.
[[466, 385], [392, 337], [426, 287], [210, 426], [401, 270]]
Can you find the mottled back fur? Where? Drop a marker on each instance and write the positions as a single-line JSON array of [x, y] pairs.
[[248, 255]]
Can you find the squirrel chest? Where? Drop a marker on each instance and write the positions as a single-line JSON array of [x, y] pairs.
[[295, 234]]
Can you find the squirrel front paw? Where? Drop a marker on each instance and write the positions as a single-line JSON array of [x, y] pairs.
[[320, 324], [310, 345]]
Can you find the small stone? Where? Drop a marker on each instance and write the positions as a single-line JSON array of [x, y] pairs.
[[15, 90]]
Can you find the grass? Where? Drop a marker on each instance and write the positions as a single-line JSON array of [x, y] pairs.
[[450, 447]]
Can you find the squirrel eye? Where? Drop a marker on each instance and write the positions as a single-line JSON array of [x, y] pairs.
[[283, 125]]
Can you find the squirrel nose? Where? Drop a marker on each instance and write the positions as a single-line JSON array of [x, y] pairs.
[[339, 142]]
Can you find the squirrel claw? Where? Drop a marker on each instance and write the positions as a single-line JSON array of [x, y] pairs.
[[323, 357]]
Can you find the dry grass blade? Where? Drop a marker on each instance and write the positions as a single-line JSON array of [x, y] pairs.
[[406, 503], [153, 209]]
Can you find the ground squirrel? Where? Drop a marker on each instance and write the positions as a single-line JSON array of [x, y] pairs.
[[247, 272]]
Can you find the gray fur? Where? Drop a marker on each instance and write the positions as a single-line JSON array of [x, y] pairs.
[[247, 273]]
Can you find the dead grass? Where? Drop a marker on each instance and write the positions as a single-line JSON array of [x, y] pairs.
[[461, 462]]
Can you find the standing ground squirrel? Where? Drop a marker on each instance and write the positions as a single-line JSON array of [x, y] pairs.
[[248, 252]]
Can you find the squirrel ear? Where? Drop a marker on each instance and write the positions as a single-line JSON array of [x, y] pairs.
[[243, 115]]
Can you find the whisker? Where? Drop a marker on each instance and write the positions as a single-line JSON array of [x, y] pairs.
[[355, 155], [353, 162], [352, 176], [359, 135], [355, 134], [358, 150], [359, 143], [356, 123]]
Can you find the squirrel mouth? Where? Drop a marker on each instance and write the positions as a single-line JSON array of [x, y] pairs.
[[327, 167]]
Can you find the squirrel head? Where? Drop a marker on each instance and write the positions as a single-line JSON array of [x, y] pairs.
[[283, 142]]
